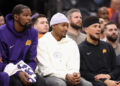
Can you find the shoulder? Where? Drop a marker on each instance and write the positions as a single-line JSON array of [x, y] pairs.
[[107, 46], [3, 29], [46, 38], [70, 43], [103, 43], [46, 41], [82, 34], [118, 44], [33, 31], [70, 40], [83, 43]]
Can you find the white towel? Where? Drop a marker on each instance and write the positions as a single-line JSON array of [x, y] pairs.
[[26, 68], [11, 69]]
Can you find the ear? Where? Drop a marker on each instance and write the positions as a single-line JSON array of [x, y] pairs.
[[15, 17], [35, 26], [86, 29], [53, 26], [69, 18]]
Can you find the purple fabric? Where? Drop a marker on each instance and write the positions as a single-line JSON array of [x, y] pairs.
[[4, 79], [115, 17]]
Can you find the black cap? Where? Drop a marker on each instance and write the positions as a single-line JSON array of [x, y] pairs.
[[90, 20]]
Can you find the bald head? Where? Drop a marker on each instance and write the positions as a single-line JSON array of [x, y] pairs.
[[101, 9], [103, 13], [115, 5]]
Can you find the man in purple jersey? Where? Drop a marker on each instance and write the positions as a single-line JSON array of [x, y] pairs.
[[18, 42]]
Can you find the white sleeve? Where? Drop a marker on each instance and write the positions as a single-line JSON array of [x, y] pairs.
[[74, 61]]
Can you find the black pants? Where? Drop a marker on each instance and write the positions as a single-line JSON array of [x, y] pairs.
[[15, 81]]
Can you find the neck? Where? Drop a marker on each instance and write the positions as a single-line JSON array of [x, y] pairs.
[[102, 36], [73, 31], [18, 28], [56, 36], [94, 42], [114, 44], [41, 33]]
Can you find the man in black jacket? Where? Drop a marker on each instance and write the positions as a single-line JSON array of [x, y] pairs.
[[97, 57]]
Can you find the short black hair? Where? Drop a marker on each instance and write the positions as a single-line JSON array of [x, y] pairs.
[[34, 19], [90, 20], [19, 8], [109, 23]]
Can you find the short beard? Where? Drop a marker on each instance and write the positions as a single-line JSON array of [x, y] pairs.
[[75, 26], [27, 26], [93, 38], [64, 36], [112, 39]]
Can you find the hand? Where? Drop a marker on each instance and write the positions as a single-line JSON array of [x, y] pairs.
[[118, 83], [23, 77], [100, 76], [73, 78], [76, 77], [110, 83], [69, 78], [108, 76], [76, 74]]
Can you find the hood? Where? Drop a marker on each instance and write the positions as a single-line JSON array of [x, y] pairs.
[[65, 40], [10, 24]]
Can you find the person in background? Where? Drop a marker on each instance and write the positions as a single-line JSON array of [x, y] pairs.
[[2, 20], [98, 59], [40, 23], [116, 18], [102, 24], [103, 13], [111, 33], [114, 7], [75, 27], [57, 62], [18, 42]]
